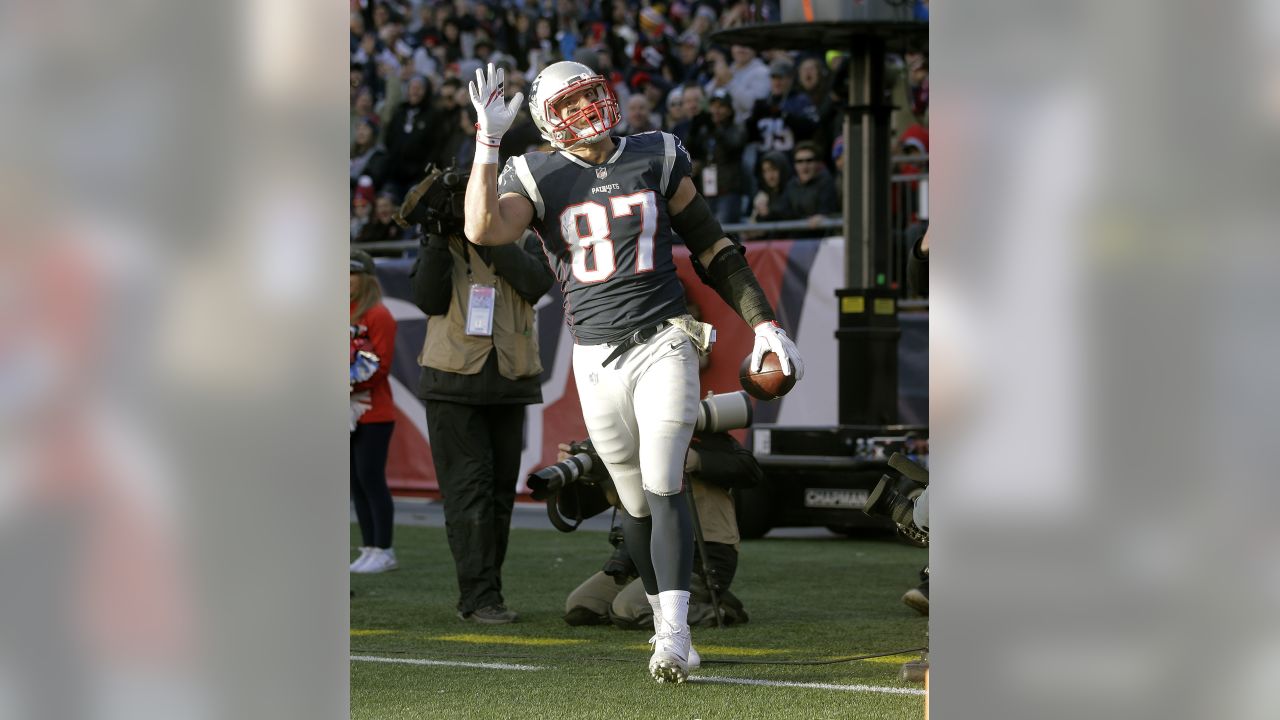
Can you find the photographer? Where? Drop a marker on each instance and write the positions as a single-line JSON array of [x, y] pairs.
[[903, 497], [714, 465], [480, 368]]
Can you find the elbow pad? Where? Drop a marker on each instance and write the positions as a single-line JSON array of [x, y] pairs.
[[736, 284], [697, 226]]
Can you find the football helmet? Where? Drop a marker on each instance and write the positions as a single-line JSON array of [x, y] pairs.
[[557, 82]]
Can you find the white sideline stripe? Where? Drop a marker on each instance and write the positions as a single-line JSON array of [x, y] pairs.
[[445, 663], [724, 680], [813, 686]]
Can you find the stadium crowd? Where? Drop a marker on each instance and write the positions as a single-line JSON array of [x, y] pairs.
[[763, 129]]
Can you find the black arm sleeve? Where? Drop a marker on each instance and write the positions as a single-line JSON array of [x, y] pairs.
[[430, 280], [697, 226], [524, 265], [736, 284], [725, 462]]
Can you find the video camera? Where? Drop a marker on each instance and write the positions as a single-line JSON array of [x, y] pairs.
[[437, 202], [716, 413], [894, 497]]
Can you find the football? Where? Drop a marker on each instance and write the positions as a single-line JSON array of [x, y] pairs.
[[768, 384]]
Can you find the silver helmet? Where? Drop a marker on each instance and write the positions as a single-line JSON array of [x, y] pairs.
[[557, 82]]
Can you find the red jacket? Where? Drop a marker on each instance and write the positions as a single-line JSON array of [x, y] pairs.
[[380, 328]]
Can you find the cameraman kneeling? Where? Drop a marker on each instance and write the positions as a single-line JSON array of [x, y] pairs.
[[714, 465]]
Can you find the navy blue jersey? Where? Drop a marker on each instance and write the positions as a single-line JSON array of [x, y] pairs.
[[607, 231]]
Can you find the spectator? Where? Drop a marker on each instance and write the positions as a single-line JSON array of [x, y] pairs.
[[411, 136], [770, 204], [424, 63], [689, 53], [362, 109], [451, 40], [476, 384], [674, 109], [368, 157], [785, 115], [750, 81], [812, 192], [544, 50], [638, 116], [392, 80], [373, 330], [813, 81], [719, 71], [382, 227], [693, 105], [653, 87], [458, 148], [716, 150], [449, 106], [518, 37], [361, 206]]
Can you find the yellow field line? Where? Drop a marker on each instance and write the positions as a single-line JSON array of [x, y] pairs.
[[893, 659], [366, 633], [507, 640]]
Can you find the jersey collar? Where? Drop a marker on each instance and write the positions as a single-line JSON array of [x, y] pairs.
[[617, 153]]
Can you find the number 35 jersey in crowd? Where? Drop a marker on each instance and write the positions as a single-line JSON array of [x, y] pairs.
[[607, 231]]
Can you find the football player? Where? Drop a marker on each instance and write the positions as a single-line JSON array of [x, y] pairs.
[[606, 209]]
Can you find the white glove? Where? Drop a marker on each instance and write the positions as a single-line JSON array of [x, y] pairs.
[[770, 337], [494, 114]]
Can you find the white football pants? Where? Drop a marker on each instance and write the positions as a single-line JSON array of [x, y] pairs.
[[640, 411]]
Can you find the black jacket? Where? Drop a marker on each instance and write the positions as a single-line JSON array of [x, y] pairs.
[[816, 197], [522, 264], [725, 462], [411, 139], [722, 146]]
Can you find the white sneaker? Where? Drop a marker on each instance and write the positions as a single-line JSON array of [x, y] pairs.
[[379, 561], [672, 655], [364, 555]]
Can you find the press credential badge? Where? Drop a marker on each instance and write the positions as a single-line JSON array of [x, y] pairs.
[[480, 310]]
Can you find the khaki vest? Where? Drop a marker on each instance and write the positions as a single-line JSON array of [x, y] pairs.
[[449, 348]]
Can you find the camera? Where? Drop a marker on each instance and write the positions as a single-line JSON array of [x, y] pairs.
[[548, 481], [619, 566], [437, 202], [720, 413], [894, 497], [716, 413]]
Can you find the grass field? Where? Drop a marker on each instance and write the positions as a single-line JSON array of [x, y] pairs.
[[808, 599]]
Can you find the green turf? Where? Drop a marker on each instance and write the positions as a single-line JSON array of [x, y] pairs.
[[808, 599]]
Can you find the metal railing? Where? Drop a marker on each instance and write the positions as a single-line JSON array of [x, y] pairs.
[[778, 226], [909, 206]]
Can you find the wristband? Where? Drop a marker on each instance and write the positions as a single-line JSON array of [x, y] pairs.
[[486, 149]]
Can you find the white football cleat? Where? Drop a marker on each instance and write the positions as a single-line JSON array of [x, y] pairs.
[[673, 655]]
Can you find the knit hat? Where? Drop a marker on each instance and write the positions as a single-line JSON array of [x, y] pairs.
[[361, 262], [364, 189], [916, 137]]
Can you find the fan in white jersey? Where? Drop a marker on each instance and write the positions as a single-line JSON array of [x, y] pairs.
[[606, 210]]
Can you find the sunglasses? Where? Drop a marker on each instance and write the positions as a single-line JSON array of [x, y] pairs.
[[806, 160]]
